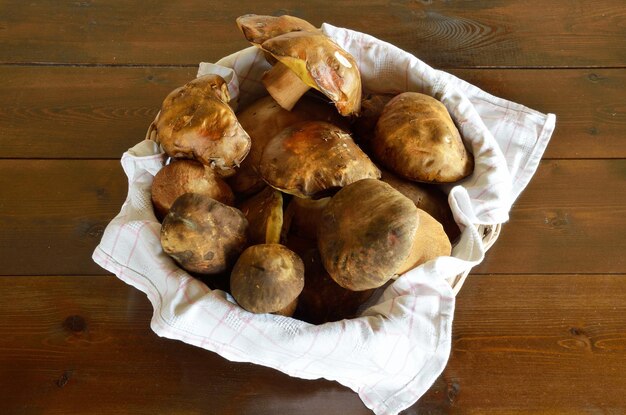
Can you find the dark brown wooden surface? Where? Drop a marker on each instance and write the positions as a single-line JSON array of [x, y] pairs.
[[539, 326]]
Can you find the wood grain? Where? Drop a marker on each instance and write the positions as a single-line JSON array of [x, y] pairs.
[[99, 112], [83, 345], [571, 219], [444, 34]]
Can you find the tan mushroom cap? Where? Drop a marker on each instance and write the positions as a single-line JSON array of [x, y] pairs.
[[264, 212], [259, 28], [321, 64], [427, 197], [267, 278], [313, 158], [202, 234], [196, 123], [187, 176], [262, 120], [417, 139], [366, 234]]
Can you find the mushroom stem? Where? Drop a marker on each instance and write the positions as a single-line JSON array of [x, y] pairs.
[[284, 85]]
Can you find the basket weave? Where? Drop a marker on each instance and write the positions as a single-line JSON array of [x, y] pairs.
[[489, 232]]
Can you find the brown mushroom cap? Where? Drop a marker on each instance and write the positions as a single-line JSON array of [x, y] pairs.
[[267, 278], [426, 197], [263, 120], [202, 234], [417, 139], [187, 176], [429, 243], [312, 158], [258, 28], [366, 234], [264, 212], [321, 64], [201, 126]]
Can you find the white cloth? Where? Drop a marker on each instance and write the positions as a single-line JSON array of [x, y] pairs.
[[395, 350]]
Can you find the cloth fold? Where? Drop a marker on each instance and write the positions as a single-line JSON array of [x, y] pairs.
[[392, 353]]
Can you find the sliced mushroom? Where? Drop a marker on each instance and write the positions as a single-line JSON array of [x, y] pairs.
[[267, 278], [366, 234], [321, 64], [313, 159], [202, 234], [196, 123], [187, 176], [262, 120], [417, 139]]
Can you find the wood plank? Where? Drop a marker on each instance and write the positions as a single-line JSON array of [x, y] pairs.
[[82, 344], [536, 344], [588, 103], [571, 219], [65, 112], [53, 213], [445, 34]]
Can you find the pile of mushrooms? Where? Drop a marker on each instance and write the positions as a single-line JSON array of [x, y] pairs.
[[312, 197]]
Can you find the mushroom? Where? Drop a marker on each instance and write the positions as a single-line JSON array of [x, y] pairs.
[[417, 139], [366, 234], [268, 278], [309, 59], [203, 235], [430, 241], [196, 122], [258, 28], [187, 176], [322, 299], [264, 212], [426, 197], [313, 159], [262, 120]]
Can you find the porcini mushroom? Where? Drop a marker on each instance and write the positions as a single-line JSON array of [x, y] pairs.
[[417, 139], [259, 28], [196, 122], [267, 278], [430, 241], [312, 159], [366, 234], [187, 176], [322, 299], [318, 63], [203, 235], [262, 120], [428, 198]]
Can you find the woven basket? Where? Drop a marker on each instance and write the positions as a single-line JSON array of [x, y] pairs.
[[489, 233]]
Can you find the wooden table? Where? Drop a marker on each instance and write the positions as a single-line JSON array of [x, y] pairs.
[[540, 326]]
